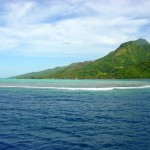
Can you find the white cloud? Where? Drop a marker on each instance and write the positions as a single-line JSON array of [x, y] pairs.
[[71, 28]]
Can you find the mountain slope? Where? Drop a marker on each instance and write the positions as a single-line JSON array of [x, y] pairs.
[[130, 60]]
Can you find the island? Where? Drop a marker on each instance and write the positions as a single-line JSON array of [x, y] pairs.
[[129, 61]]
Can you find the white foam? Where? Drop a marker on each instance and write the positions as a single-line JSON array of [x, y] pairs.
[[75, 89]]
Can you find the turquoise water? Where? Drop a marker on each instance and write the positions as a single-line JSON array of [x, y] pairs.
[[74, 84], [75, 114]]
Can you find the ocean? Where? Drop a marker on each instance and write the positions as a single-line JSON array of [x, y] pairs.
[[74, 114]]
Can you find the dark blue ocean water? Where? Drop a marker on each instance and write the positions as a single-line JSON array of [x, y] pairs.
[[116, 119]]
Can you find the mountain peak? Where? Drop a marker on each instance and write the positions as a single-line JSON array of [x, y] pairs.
[[141, 41], [138, 42]]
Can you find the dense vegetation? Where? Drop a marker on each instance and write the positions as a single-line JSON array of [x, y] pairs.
[[130, 60]]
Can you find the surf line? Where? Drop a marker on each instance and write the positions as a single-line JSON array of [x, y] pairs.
[[75, 89]]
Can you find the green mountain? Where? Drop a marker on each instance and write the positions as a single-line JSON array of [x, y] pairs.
[[129, 60]]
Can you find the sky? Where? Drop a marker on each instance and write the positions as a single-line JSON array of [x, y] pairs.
[[42, 34]]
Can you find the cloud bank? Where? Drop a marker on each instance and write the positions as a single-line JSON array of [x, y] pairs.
[[70, 28]]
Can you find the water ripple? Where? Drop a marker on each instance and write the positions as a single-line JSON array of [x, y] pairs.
[[43, 119]]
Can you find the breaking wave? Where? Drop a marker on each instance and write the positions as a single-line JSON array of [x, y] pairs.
[[77, 89]]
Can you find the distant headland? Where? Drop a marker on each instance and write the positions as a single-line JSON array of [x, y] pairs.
[[130, 60]]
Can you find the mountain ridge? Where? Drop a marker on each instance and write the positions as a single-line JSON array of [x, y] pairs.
[[130, 60]]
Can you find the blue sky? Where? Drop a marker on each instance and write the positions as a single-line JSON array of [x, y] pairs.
[[42, 34]]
